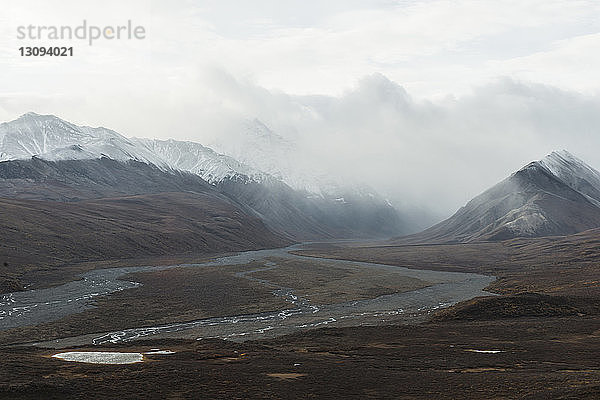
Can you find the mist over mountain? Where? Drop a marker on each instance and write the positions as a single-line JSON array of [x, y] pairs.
[[427, 155], [558, 195], [47, 158]]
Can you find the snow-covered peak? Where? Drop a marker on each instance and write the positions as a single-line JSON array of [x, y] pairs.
[[197, 159], [31, 114], [255, 153], [574, 172], [257, 146], [51, 138], [562, 160], [35, 134]]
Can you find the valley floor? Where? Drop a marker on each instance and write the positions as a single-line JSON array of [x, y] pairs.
[[538, 359], [539, 339]]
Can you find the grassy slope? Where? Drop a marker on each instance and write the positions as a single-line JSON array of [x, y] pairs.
[[35, 234]]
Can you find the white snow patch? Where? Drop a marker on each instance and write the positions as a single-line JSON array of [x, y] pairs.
[[486, 351], [153, 351]]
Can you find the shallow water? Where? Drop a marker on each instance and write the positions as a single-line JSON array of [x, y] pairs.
[[447, 288], [100, 357]]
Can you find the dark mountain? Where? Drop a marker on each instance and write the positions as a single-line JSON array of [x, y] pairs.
[[45, 158], [63, 212], [73, 180], [295, 214], [554, 196], [53, 233], [304, 217]]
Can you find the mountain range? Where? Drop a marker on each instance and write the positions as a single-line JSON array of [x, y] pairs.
[[44, 158], [254, 196]]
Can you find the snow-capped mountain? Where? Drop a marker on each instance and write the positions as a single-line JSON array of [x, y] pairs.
[[257, 153], [262, 149], [557, 195], [52, 139], [199, 160], [43, 157]]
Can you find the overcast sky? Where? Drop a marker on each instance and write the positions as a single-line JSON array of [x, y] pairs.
[[430, 101]]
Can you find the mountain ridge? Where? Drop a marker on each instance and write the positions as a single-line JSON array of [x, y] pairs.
[[543, 198], [52, 138], [60, 161]]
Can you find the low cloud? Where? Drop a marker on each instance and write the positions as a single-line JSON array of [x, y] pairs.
[[433, 155], [437, 155]]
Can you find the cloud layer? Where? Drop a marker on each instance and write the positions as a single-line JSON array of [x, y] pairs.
[[418, 152], [430, 101]]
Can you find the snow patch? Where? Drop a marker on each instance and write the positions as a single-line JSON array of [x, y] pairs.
[[486, 351], [157, 351]]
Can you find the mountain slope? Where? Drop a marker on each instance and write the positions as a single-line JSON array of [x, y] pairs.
[[575, 173], [303, 217], [553, 196], [259, 147], [45, 158], [50, 232], [199, 160], [53, 139], [73, 180]]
